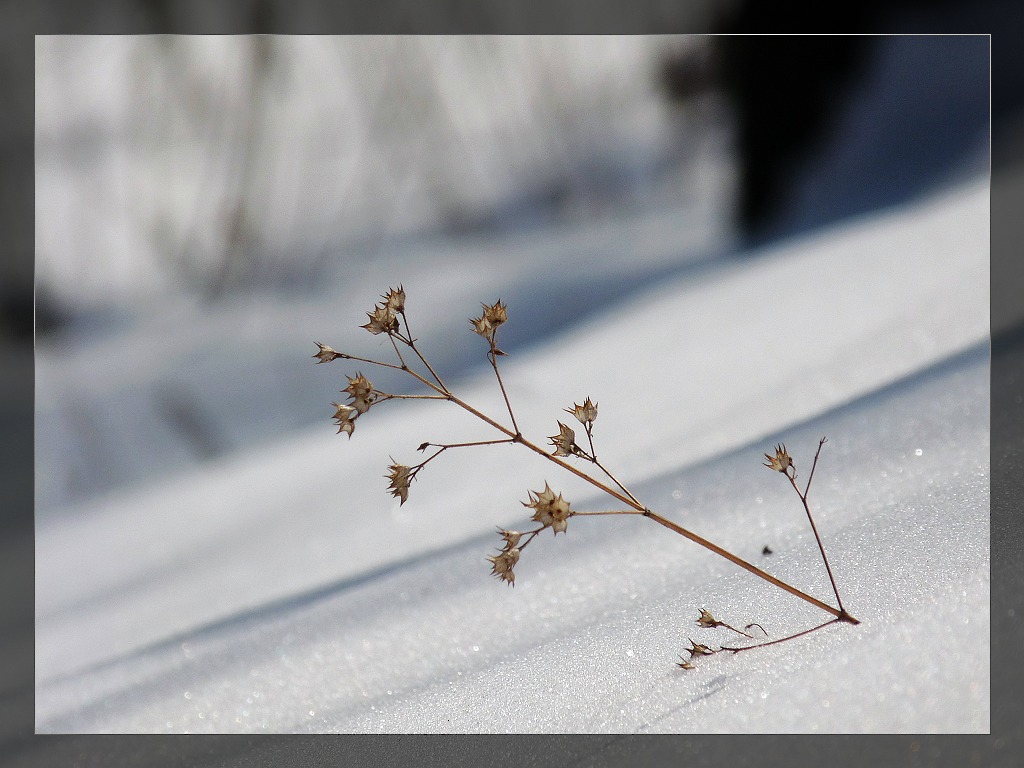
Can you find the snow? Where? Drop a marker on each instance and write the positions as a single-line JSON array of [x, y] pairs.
[[280, 589]]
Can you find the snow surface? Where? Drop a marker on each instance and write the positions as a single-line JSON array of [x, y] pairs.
[[282, 590]]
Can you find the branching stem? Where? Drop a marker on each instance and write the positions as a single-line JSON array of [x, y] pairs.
[[837, 612], [810, 519], [445, 446], [733, 649], [411, 342], [492, 356], [386, 396], [530, 536], [615, 480], [607, 512], [391, 338], [739, 631], [629, 501], [343, 356], [618, 492]]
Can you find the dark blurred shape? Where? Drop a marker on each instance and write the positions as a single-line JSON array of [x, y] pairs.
[[687, 72], [923, 100], [16, 313], [787, 92]]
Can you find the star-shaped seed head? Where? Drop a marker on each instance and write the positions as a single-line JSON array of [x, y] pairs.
[[496, 314], [399, 476], [564, 441], [781, 461], [394, 299], [492, 316], [482, 326], [696, 649], [707, 620], [511, 538], [345, 417], [382, 320], [549, 509], [585, 414], [361, 391], [503, 563], [326, 354]]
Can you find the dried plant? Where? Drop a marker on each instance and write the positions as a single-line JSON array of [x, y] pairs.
[[550, 509]]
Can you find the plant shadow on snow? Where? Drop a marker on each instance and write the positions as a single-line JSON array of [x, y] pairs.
[[713, 687]]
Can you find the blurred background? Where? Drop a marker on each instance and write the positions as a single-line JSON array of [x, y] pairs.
[[222, 165], [207, 207]]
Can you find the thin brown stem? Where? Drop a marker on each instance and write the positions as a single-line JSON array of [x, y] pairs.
[[412, 345], [592, 458], [590, 439], [530, 536], [732, 649], [518, 438], [391, 338], [608, 512], [614, 479], [444, 395], [627, 498], [418, 468], [444, 446], [821, 548], [838, 613], [737, 631], [493, 358], [343, 356], [814, 466], [814, 528], [387, 396]]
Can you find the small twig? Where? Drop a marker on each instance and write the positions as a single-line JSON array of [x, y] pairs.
[[416, 470], [442, 447], [493, 358], [445, 446], [565, 444], [391, 338], [343, 356], [443, 394], [386, 396], [707, 620], [737, 631], [540, 451], [732, 649], [810, 519], [590, 439], [814, 466], [530, 536], [608, 512], [615, 480], [411, 342], [746, 566]]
